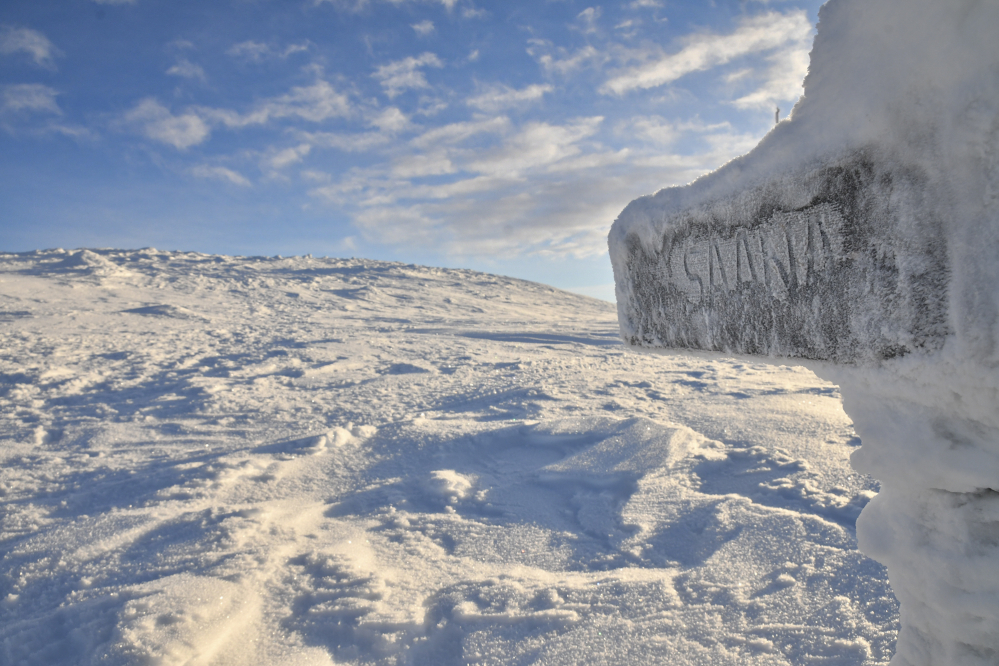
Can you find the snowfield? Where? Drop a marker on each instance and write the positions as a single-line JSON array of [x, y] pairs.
[[222, 460]]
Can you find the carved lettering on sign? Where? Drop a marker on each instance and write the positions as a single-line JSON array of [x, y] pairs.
[[784, 253]]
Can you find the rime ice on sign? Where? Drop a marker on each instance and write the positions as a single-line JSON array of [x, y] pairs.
[[862, 237], [826, 274]]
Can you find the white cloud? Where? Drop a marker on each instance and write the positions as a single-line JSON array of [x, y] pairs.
[[25, 40], [259, 51], [653, 129], [31, 108], [489, 188], [348, 143], [662, 133], [220, 173], [358, 5], [588, 18], [496, 98], [456, 133], [642, 4], [423, 28], [756, 34], [562, 61], [315, 103], [424, 164], [156, 122], [405, 74], [288, 156], [390, 120], [533, 149], [28, 97], [430, 105], [187, 70], [782, 81], [537, 144]]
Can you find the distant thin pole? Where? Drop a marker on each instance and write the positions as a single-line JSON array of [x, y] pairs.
[[777, 116]]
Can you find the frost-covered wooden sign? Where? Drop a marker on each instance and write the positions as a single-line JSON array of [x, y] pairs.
[[842, 263]]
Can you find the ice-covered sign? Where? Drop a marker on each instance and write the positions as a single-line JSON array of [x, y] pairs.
[[848, 269], [861, 237]]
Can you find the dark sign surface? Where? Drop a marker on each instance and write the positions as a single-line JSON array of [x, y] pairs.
[[857, 274]]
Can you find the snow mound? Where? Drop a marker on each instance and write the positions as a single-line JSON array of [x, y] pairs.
[[860, 237], [89, 262], [449, 485]]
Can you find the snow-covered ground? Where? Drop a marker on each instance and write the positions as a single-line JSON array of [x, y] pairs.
[[217, 460]]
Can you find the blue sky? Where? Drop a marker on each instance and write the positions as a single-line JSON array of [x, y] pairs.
[[500, 136]]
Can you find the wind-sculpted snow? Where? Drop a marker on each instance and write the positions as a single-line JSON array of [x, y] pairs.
[[861, 237], [308, 461]]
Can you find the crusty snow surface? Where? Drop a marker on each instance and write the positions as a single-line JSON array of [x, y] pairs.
[[218, 460]]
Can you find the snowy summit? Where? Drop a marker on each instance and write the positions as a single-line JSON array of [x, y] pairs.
[[224, 460]]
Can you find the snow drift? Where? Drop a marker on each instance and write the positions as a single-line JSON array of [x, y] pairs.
[[861, 236]]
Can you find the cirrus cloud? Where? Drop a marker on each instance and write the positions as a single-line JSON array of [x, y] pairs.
[[497, 98], [28, 97], [31, 42], [755, 34], [220, 173]]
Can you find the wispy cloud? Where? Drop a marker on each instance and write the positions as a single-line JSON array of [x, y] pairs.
[[538, 144], [186, 69], [31, 42], [406, 74], [259, 51], [498, 97], [280, 159], [662, 133], [423, 28], [32, 109], [456, 133], [356, 142], [557, 60], [390, 120], [156, 122], [358, 5], [422, 165], [315, 103], [28, 97], [588, 18], [488, 187], [782, 80], [755, 34], [220, 173]]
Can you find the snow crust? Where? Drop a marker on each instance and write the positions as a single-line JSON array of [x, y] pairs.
[[221, 460], [894, 298]]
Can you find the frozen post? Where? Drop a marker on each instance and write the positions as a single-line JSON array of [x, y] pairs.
[[861, 238]]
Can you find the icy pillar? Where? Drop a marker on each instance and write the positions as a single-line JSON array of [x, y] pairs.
[[847, 268]]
